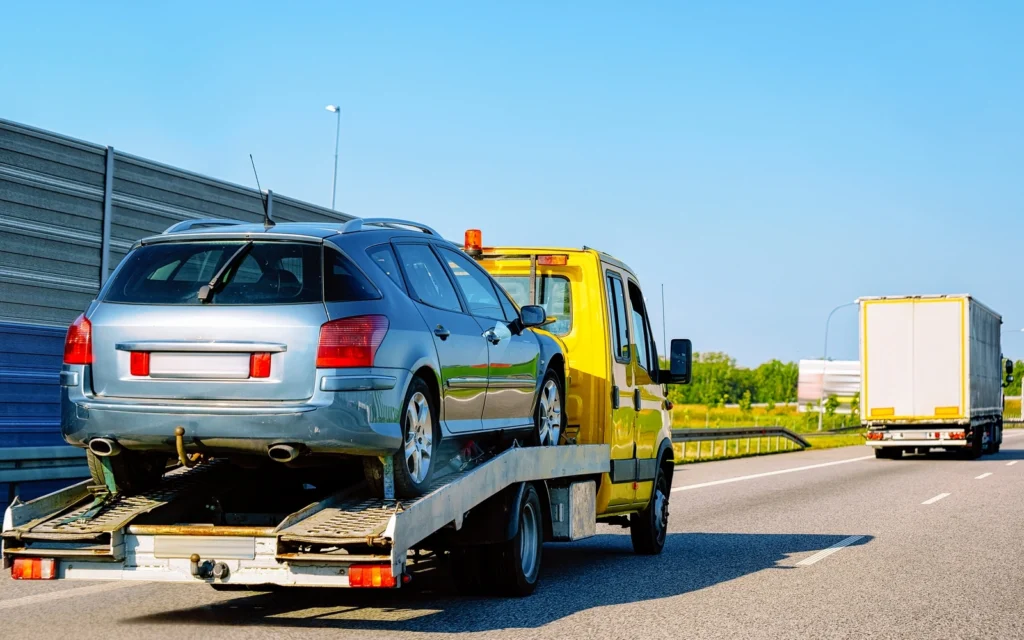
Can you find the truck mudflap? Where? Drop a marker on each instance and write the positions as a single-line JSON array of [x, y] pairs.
[[344, 539]]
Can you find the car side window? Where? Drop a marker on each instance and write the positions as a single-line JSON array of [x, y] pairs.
[[641, 328], [384, 257], [475, 284], [343, 281], [511, 313], [427, 278], [619, 320]]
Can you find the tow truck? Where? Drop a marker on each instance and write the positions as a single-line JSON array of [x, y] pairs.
[[212, 523]]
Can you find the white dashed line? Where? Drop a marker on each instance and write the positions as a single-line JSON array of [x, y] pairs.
[[701, 485], [936, 498], [983, 476], [821, 555], [1010, 464]]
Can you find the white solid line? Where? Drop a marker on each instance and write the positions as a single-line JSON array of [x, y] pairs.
[[1010, 464], [936, 498], [768, 473], [66, 593], [824, 553], [983, 476]]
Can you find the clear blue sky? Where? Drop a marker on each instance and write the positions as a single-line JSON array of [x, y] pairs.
[[767, 161]]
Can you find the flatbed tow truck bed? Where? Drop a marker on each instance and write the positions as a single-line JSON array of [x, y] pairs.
[[144, 537]]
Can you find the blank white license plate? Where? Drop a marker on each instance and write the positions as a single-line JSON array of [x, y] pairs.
[[220, 366]]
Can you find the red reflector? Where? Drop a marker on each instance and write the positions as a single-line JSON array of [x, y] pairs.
[[34, 569], [957, 435], [350, 342], [370, 576], [259, 365], [78, 343], [140, 363], [553, 261]]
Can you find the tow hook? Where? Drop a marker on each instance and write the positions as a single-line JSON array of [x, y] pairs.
[[179, 443], [201, 571]]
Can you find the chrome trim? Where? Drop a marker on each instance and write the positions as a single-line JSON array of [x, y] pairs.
[[467, 383], [197, 409], [186, 346], [513, 383], [357, 383], [356, 224], [186, 225]]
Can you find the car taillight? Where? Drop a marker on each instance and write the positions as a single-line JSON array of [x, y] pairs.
[[371, 575], [874, 435], [78, 343], [139, 363], [259, 365], [34, 569], [350, 342]]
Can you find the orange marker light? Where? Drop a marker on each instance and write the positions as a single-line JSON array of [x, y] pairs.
[[34, 569], [371, 576], [553, 261]]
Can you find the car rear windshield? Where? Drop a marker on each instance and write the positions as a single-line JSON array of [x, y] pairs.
[[552, 294], [266, 273]]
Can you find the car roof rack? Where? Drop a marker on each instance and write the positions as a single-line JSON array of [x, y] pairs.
[[356, 224], [188, 225]]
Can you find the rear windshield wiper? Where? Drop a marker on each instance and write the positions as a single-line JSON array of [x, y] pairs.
[[216, 283]]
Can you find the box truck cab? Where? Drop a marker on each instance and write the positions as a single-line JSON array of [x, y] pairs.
[[616, 388], [932, 375]]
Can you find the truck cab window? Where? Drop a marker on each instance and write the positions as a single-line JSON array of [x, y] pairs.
[[641, 328], [619, 320]]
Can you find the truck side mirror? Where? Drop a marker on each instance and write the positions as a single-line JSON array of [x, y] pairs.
[[680, 363], [1009, 367]]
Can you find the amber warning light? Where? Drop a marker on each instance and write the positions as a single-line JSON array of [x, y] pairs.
[[474, 244]]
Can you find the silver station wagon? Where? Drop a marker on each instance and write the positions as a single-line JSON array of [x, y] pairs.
[[306, 344]]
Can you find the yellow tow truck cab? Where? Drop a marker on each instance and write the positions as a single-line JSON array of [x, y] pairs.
[[615, 392]]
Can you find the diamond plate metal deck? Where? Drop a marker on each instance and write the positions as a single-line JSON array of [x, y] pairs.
[[123, 509]]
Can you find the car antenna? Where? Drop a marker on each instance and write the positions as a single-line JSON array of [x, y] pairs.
[[267, 221]]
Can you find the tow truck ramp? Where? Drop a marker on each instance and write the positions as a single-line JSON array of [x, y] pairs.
[[314, 546]]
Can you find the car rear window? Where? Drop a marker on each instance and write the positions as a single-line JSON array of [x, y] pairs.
[[173, 272], [552, 293]]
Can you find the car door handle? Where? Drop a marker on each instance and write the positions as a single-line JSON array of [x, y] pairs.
[[492, 336], [441, 332]]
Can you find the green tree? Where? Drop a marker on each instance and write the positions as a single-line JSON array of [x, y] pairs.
[[855, 405], [745, 401], [831, 405]]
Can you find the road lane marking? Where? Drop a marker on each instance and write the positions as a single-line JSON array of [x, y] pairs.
[[824, 553], [983, 476], [66, 593], [713, 483], [936, 498], [1010, 464]]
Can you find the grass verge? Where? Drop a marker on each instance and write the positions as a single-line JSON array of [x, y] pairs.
[[686, 453]]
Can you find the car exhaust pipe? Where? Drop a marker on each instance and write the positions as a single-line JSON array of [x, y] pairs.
[[104, 447], [283, 452]]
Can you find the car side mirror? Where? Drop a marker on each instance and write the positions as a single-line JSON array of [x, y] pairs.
[[533, 315], [680, 363]]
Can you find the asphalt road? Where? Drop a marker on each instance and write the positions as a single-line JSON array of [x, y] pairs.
[[746, 558]]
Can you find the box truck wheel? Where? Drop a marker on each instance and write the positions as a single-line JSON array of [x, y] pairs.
[[649, 528], [516, 563]]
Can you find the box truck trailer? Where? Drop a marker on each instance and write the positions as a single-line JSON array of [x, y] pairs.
[[931, 375]]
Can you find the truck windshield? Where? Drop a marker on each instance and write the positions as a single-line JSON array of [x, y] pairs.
[[172, 273], [552, 293]]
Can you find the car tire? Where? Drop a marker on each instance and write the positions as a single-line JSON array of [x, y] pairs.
[[516, 563], [133, 472], [549, 417], [416, 462], [649, 528]]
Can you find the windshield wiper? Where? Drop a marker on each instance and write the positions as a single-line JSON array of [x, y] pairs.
[[216, 283]]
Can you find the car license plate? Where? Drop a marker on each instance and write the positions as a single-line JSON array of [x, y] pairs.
[[208, 366]]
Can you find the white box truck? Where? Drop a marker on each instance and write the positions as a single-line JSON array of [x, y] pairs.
[[931, 375]]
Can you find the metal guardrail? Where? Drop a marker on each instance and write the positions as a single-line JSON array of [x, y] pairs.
[[27, 464], [700, 436]]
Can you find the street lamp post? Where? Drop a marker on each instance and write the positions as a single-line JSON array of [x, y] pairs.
[[337, 136], [824, 365]]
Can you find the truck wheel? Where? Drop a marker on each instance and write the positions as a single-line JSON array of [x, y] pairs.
[[549, 418], [649, 528], [415, 462], [993, 446], [977, 449], [516, 563], [131, 471]]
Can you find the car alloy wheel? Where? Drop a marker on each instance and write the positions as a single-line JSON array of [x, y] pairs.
[[549, 414], [419, 437]]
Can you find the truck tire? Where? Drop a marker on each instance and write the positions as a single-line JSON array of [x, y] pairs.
[[417, 460], [976, 449], [132, 472], [516, 563], [549, 418], [649, 528]]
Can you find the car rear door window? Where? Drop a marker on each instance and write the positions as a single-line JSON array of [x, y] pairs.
[[172, 273], [426, 276], [476, 286], [343, 281]]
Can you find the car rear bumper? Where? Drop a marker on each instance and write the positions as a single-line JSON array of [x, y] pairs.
[[357, 413]]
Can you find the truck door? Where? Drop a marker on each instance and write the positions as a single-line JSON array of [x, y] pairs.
[[647, 399], [623, 413]]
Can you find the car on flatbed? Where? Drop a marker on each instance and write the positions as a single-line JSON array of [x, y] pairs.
[[304, 344]]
